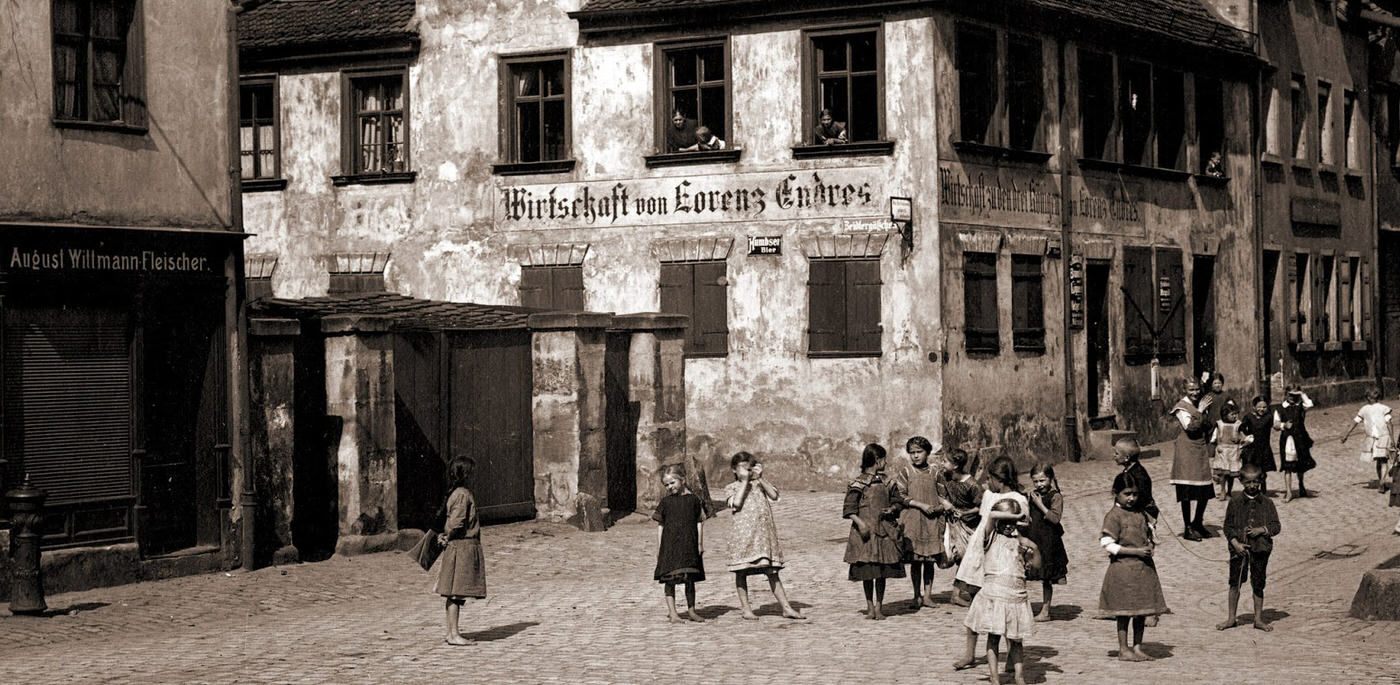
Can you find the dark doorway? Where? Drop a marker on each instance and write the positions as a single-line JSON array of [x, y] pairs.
[[491, 420], [1100, 389], [621, 427], [1388, 279], [1270, 276], [315, 493], [418, 419], [1203, 313]]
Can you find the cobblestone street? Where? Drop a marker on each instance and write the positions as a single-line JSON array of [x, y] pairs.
[[567, 606]]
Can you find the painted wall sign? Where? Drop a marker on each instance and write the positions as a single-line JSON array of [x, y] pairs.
[[826, 193], [1076, 291], [1164, 293], [1014, 197], [106, 260], [765, 244]]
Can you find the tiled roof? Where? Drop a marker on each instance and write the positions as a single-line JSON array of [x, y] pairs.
[[404, 312], [285, 23]]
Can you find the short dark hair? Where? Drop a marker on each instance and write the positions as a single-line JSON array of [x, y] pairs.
[[957, 457], [1250, 471], [1125, 480], [459, 471], [739, 458], [871, 454], [921, 442]]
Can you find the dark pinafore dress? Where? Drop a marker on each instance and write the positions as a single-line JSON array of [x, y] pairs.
[[871, 498]]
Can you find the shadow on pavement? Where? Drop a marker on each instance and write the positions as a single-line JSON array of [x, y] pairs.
[[70, 610], [714, 611], [1393, 562], [775, 609], [1271, 615], [1036, 667], [1156, 650], [500, 632], [1063, 612]]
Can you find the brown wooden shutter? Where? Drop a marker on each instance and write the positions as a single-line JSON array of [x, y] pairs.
[[567, 284], [534, 288], [68, 399], [863, 305], [1365, 295], [826, 306], [1171, 322], [133, 87], [1318, 319], [981, 322], [1027, 302], [1290, 298], [710, 322], [1344, 297], [1139, 302]]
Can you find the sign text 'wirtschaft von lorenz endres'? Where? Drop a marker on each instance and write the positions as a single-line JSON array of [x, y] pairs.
[[761, 196], [972, 192], [90, 259]]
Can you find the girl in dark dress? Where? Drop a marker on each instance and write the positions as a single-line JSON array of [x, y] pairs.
[[873, 547], [1047, 507], [1294, 443], [681, 532], [1259, 423], [1131, 590]]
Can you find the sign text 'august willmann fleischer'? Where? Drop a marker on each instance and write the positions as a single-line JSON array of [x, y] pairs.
[[767, 196], [99, 260]]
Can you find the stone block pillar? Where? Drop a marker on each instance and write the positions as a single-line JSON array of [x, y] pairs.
[[567, 355], [272, 418], [656, 383], [360, 398]]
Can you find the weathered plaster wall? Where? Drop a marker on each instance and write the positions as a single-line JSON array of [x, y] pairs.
[[360, 397], [176, 174], [272, 401]]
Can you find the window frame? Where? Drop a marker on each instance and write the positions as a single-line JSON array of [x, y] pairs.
[[1110, 139], [131, 88], [662, 88], [1218, 125], [989, 98], [1298, 118], [848, 347], [1351, 132], [987, 341], [694, 344], [507, 126], [1149, 331], [350, 143], [1000, 130], [275, 178], [805, 148], [1037, 143]]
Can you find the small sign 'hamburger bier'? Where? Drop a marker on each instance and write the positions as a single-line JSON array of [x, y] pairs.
[[765, 244]]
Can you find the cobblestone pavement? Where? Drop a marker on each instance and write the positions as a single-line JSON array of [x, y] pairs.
[[575, 607]]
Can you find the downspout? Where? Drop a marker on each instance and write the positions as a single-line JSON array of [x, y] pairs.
[[238, 339], [1071, 422], [1256, 118]]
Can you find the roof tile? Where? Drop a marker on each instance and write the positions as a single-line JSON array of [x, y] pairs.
[[283, 23], [404, 312]]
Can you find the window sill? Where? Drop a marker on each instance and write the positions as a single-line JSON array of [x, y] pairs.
[[259, 185], [725, 156], [1271, 159], [706, 355], [1359, 346], [1305, 346], [999, 152], [1302, 166], [557, 166], [108, 126], [1356, 174], [1097, 164], [1212, 181], [1327, 170], [843, 354], [1156, 172], [862, 149], [374, 179], [1332, 346]]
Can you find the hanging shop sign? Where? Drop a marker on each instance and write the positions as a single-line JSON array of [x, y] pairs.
[[765, 244], [1076, 291]]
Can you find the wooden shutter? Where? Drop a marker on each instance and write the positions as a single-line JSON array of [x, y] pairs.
[[1344, 297], [1027, 302], [534, 287], [710, 322], [68, 399], [1290, 299], [1139, 302], [826, 306], [981, 330], [567, 284], [133, 87], [1171, 321], [1365, 294], [863, 305], [1318, 316]]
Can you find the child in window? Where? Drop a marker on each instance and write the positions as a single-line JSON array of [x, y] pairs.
[[704, 140], [828, 131]]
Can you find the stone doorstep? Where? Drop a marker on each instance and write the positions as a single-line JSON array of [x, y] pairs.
[[400, 540], [85, 568]]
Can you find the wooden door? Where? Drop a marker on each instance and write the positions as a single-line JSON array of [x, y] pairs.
[[1096, 332], [490, 408], [621, 427], [419, 407]]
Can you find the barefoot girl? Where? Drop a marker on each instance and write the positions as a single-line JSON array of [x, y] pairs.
[[682, 536], [1229, 440], [1374, 419], [1002, 484], [1047, 506], [1290, 419], [753, 542], [964, 496], [872, 549], [1131, 591], [1002, 607], [922, 520], [462, 568]]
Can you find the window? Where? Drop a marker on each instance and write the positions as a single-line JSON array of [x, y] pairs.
[[694, 83], [1154, 305], [1359, 307], [1349, 129], [257, 129], [536, 116], [1298, 300], [1153, 115], [843, 307], [1392, 124], [1326, 294], [1027, 303], [1136, 90], [1025, 91], [1210, 123], [1299, 117], [97, 62], [1273, 113], [845, 73], [980, 329], [378, 125], [552, 287], [1326, 140], [700, 291], [1169, 116], [977, 61], [1096, 104], [357, 272]]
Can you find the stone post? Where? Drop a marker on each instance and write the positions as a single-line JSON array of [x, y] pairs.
[[656, 382], [567, 355], [272, 418], [360, 397]]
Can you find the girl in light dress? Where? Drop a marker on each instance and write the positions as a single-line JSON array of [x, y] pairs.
[[1374, 420], [753, 542], [1002, 607], [1002, 484], [1229, 441]]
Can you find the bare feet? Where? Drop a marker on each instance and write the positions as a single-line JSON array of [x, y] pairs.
[[1043, 616], [1020, 680], [690, 614], [749, 616], [1137, 649], [789, 612], [1130, 655], [1227, 624], [915, 603], [964, 663], [458, 640], [673, 618], [879, 613], [960, 598], [1260, 625], [928, 600]]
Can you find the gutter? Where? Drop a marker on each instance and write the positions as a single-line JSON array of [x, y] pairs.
[[1071, 419], [238, 396]]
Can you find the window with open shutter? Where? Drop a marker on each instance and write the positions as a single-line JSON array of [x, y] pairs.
[[1290, 298], [844, 307], [1027, 303], [1301, 279], [1346, 299], [980, 329], [699, 290], [1365, 294], [1171, 306], [1139, 304], [1326, 298]]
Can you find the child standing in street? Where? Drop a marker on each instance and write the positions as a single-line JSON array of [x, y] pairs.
[[1047, 507], [753, 542], [1251, 522], [964, 497], [1374, 419], [922, 519], [462, 567], [1002, 607], [872, 548], [1228, 441], [1002, 484], [681, 533], [1127, 453], [1290, 419], [1131, 590]]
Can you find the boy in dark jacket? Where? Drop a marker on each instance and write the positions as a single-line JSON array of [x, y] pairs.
[[1126, 452], [1251, 522]]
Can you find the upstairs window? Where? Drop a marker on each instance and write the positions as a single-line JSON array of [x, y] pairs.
[[1273, 122], [1326, 138], [378, 125], [977, 63], [257, 129], [97, 62], [694, 85], [1210, 126], [1019, 80], [846, 79], [1135, 89], [1392, 125], [536, 102], [1025, 91], [1299, 112], [1096, 104], [1349, 131], [1168, 117]]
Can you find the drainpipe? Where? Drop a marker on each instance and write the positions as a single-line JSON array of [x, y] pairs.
[[247, 497], [1256, 117], [1066, 253]]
